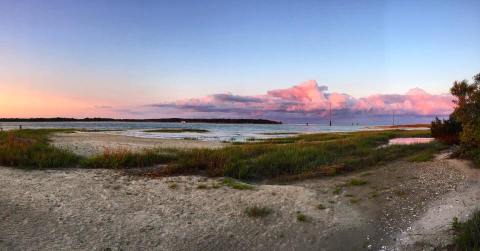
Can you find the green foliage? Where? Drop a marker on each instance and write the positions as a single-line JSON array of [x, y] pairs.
[[467, 113], [31, 149], [467, 234], [447, 131]]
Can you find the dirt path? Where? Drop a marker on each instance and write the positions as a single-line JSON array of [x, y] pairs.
[[433, 228], [99, 209]]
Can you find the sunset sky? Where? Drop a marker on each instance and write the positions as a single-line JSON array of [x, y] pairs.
[[286, 60]]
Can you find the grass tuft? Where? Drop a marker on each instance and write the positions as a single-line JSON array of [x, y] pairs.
[[467, 234], [337, 190], [301, 217], [357, 182], [236, 184], [202, 186], [258, 212]]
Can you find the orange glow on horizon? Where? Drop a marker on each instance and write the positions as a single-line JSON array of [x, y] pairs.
[[25, 103]]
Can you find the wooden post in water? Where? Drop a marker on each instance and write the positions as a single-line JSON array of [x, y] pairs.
[[330, 113]]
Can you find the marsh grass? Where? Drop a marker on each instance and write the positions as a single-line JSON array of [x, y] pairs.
[[467, 234], [31, 149], [318, 154], [299, 157], [123, 158]]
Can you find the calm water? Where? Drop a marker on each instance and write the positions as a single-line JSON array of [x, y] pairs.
[[217, 132]]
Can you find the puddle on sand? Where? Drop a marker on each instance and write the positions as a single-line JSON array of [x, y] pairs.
[[409, 141]]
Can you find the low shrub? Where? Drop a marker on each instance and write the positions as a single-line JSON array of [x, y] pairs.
[[447, 131]]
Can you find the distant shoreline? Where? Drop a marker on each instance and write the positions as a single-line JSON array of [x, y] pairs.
[[167, 120]]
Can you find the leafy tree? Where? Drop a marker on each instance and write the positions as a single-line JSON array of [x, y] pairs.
[[467, 112]]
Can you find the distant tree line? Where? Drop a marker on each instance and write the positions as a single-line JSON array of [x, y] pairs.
[[166, 120], [463, 126]]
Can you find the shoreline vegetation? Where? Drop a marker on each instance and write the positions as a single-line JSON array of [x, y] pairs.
[[166, 120], [297, 157]]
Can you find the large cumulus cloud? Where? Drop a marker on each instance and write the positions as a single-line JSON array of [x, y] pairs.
[[308, 99]]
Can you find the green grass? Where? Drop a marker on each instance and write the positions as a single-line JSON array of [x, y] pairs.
[[427, 154], [257, 211], [236, 184], [120, 158], [31, 149], [467, 234], [176, 130], [357, 182], [314, 153]]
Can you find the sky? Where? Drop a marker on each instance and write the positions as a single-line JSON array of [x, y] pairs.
[[148, 59]]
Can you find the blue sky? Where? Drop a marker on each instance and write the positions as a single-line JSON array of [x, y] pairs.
[[160, 51]]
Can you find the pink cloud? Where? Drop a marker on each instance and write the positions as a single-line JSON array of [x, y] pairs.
[[311, 100]]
